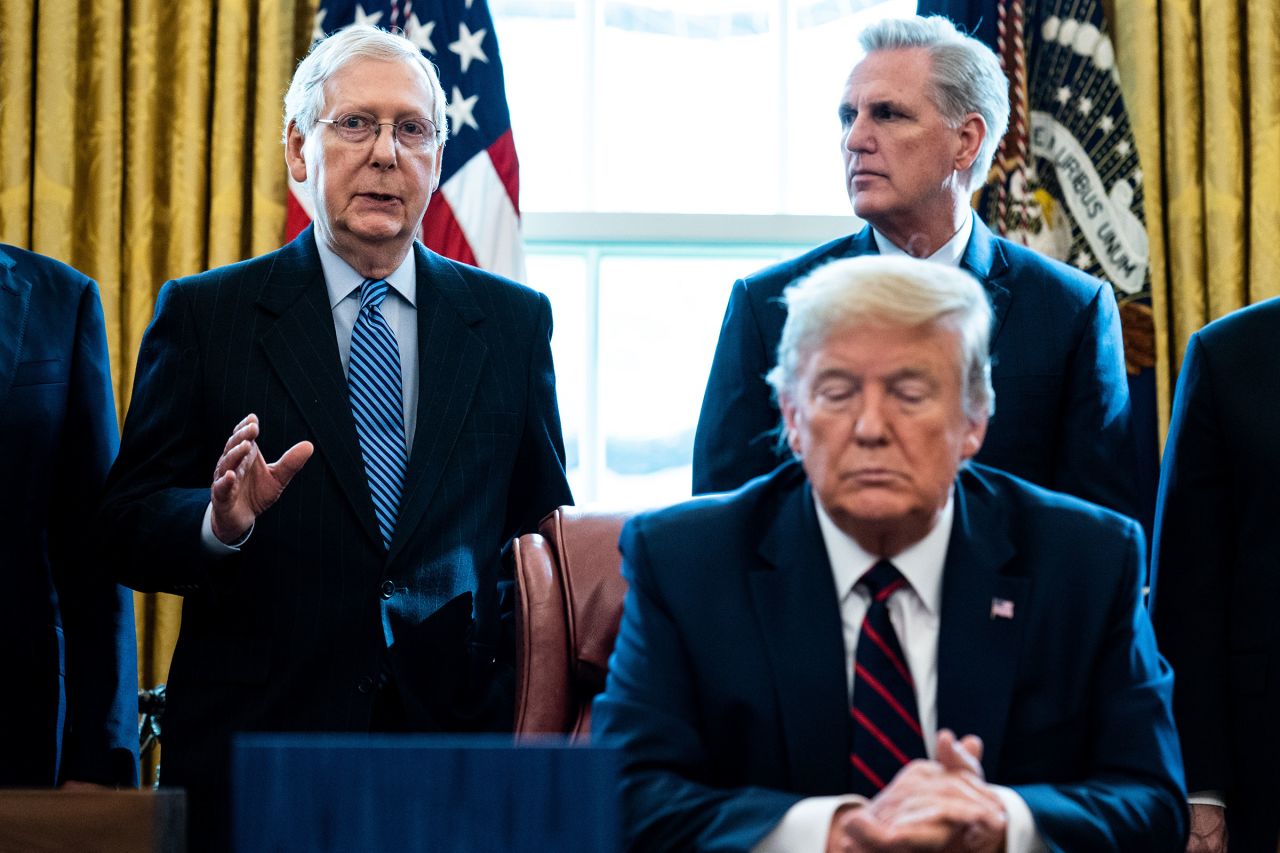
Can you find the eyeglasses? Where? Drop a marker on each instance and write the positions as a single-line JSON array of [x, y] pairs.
[[359, 128]]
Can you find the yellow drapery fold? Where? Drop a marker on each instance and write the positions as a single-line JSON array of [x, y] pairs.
[[140, 141], [1202, 81]]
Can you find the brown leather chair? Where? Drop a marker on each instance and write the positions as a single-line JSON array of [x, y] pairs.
[[569, 591]]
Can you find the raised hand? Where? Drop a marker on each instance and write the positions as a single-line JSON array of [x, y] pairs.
[[244, 485]]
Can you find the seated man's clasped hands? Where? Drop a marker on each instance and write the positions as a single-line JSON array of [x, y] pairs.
[[943, 804]]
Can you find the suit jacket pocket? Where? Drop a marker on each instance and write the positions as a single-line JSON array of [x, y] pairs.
[[46, 371], [222, 660]]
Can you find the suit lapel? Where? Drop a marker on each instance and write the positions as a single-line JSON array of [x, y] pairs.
[[302, 348], [984, 258], [15, 302], [978, 649], [451, 358], [795, 603]]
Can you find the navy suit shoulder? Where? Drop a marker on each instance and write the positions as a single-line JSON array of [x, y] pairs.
[[67, 628], [1062, 415]]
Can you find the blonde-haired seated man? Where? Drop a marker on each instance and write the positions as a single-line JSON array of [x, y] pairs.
[[881, 645]]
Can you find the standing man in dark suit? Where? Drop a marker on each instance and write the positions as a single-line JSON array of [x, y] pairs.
[[795, 656], [1215, 579], [355, 583], [69, 657], [921, 117]]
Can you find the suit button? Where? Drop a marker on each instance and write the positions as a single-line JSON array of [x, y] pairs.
[[388, 589], [364, 684]]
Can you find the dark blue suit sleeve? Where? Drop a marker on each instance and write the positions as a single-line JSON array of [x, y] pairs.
[[1096, 453], [649, 710], [1132, 797], [149, 524], [97, 615], [737, 428], [1191, 567], [538, 483]]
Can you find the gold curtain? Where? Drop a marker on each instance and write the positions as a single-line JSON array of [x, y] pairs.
[[140, 141], [1202, 84]]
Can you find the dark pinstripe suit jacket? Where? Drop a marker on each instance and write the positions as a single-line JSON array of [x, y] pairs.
[[289, 633]]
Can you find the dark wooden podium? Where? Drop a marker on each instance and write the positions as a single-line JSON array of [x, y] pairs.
[[318, 793], [36, 821]]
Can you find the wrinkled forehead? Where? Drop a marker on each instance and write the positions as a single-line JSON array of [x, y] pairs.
[[373, 84], [890, 73]]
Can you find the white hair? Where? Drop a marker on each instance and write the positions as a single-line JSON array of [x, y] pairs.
[[304, 101], [895, 291], [966, 77]]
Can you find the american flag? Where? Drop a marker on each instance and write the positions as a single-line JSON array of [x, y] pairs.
[[1001, 608], [474, 217]]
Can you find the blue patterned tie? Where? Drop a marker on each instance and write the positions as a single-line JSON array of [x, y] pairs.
[[377, 401], [886, 724]]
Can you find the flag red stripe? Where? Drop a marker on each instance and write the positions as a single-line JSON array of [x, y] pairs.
[[441, 232], [503, 154], [880, 736], [295, 218], [888, 697]]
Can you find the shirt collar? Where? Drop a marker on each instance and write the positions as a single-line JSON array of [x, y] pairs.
[[341, 279], [921, 564], [950, 253]]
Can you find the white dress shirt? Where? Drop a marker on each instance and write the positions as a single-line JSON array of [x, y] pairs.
[[399, 309], [914, 612], [950, 253]]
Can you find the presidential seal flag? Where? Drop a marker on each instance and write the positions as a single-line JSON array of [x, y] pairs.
[[474, 217]]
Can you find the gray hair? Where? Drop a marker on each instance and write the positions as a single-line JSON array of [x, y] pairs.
[[304, 101], [897, 291], [966, 77]]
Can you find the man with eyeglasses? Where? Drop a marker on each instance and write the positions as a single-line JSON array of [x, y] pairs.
[[329, 446], [920, 119]]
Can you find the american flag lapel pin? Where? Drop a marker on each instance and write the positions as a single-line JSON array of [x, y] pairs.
[[1001, 608]]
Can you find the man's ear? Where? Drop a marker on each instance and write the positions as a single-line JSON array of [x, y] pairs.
[[974, 437], [971, 133], [435, 177], [294, 157]]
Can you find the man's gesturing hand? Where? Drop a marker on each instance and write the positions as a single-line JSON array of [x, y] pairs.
[[244, 485]]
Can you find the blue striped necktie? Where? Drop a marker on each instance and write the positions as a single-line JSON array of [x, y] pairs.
[[886, 724], [377, 402]]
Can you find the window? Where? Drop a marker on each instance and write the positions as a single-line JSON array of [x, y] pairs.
[[667, 147]]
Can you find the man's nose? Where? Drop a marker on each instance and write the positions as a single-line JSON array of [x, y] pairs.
[[383, 154], [858, 137], [869, 425]]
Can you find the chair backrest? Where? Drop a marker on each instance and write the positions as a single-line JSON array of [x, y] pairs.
[[569, 592]]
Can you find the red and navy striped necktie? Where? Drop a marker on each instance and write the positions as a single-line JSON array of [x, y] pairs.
[[886, 723]]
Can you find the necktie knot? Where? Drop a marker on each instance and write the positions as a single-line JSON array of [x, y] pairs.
[[372, 293], [883, 580]]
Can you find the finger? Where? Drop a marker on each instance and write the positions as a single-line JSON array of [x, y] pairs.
[[247, 428], [223, 491], [291, 462], [232, 458], [964, 756], [250, 457], [972, 744]]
